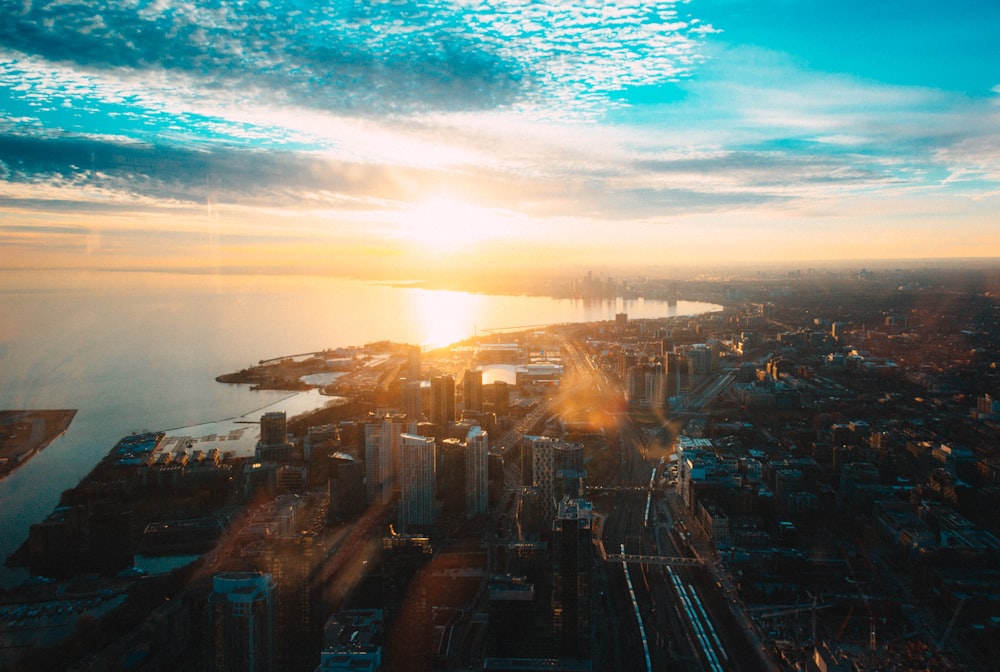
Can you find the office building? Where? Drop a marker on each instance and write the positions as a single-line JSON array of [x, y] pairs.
[[274, 445], [290, 560], [320, 441], [347, 487], [273, 428], [451, 475], [541, 457], [413, 362], [417, 482], [477, 465], [472, 391], [511, 615], [571, 578], [548, 456], [442, 400], [382, 458], [411, 399], [241, 622], [406, 602], [501, 397]]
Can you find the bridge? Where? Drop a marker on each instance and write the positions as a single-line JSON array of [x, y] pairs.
[[665, 560], [653, 560], [617, 488]]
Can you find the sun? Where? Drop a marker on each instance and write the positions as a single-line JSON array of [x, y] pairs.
[[446, 225]]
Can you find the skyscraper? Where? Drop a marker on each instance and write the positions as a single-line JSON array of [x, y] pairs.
[[451, 475], [290, 560], [472, 390], [382, 458], [273, 428], [274, 445], [413, 362], [408, 614], [442, 400], [410, 403], [501, 397], [476, 472], [241, 621], [417, 476], [543, 472], [347, 487], [571, 578]]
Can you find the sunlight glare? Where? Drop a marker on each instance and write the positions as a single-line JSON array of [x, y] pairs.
[[446, 225], [444, 317]]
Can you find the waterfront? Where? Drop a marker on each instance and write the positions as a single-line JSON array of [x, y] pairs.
[[140, 351]]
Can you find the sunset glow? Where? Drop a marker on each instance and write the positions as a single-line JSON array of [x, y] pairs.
[[445, 225], [445, 317], [673, 135]]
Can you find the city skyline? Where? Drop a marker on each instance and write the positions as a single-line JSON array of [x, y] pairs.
[[394, 140]]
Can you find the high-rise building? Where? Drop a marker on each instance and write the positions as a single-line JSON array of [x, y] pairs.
[[571, 579], [547, 457], [273, 428], [410, 399], [320, 441], [477, 472], [408, 614], [542, 449], [290, 560], [511, 615], [567, 455], [472, 390], [501, 397], [702, 360], [676, 374], [442, 400], [347, 487], [451, 475], [417, 477], [413, 362], [382, 458], [274, 445], [241, 621]]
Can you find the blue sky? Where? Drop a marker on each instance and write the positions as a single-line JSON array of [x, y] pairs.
[[402, 137]]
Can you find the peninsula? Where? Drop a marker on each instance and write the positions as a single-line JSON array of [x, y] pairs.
[[25, 433]]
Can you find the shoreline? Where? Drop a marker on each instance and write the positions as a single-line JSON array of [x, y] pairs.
[[239, 434], [25, 433]]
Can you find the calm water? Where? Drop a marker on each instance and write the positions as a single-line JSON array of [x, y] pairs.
[[138, 351]]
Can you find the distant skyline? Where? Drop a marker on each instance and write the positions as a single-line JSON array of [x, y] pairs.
[[400, 139]]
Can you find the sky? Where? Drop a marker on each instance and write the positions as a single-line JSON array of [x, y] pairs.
[[408, 138]]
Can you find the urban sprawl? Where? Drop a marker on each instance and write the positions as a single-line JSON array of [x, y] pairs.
[[806, 479]]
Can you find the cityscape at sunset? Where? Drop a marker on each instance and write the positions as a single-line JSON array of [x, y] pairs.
[[499, 335], [384, 139]]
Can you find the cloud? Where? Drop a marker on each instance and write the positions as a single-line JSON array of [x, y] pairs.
[[386, 58], [175, 173], [295, 119]]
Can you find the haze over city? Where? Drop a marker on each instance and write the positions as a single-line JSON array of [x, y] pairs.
[[390, 139]]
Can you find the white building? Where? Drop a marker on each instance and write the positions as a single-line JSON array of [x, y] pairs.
[[381, 458]]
